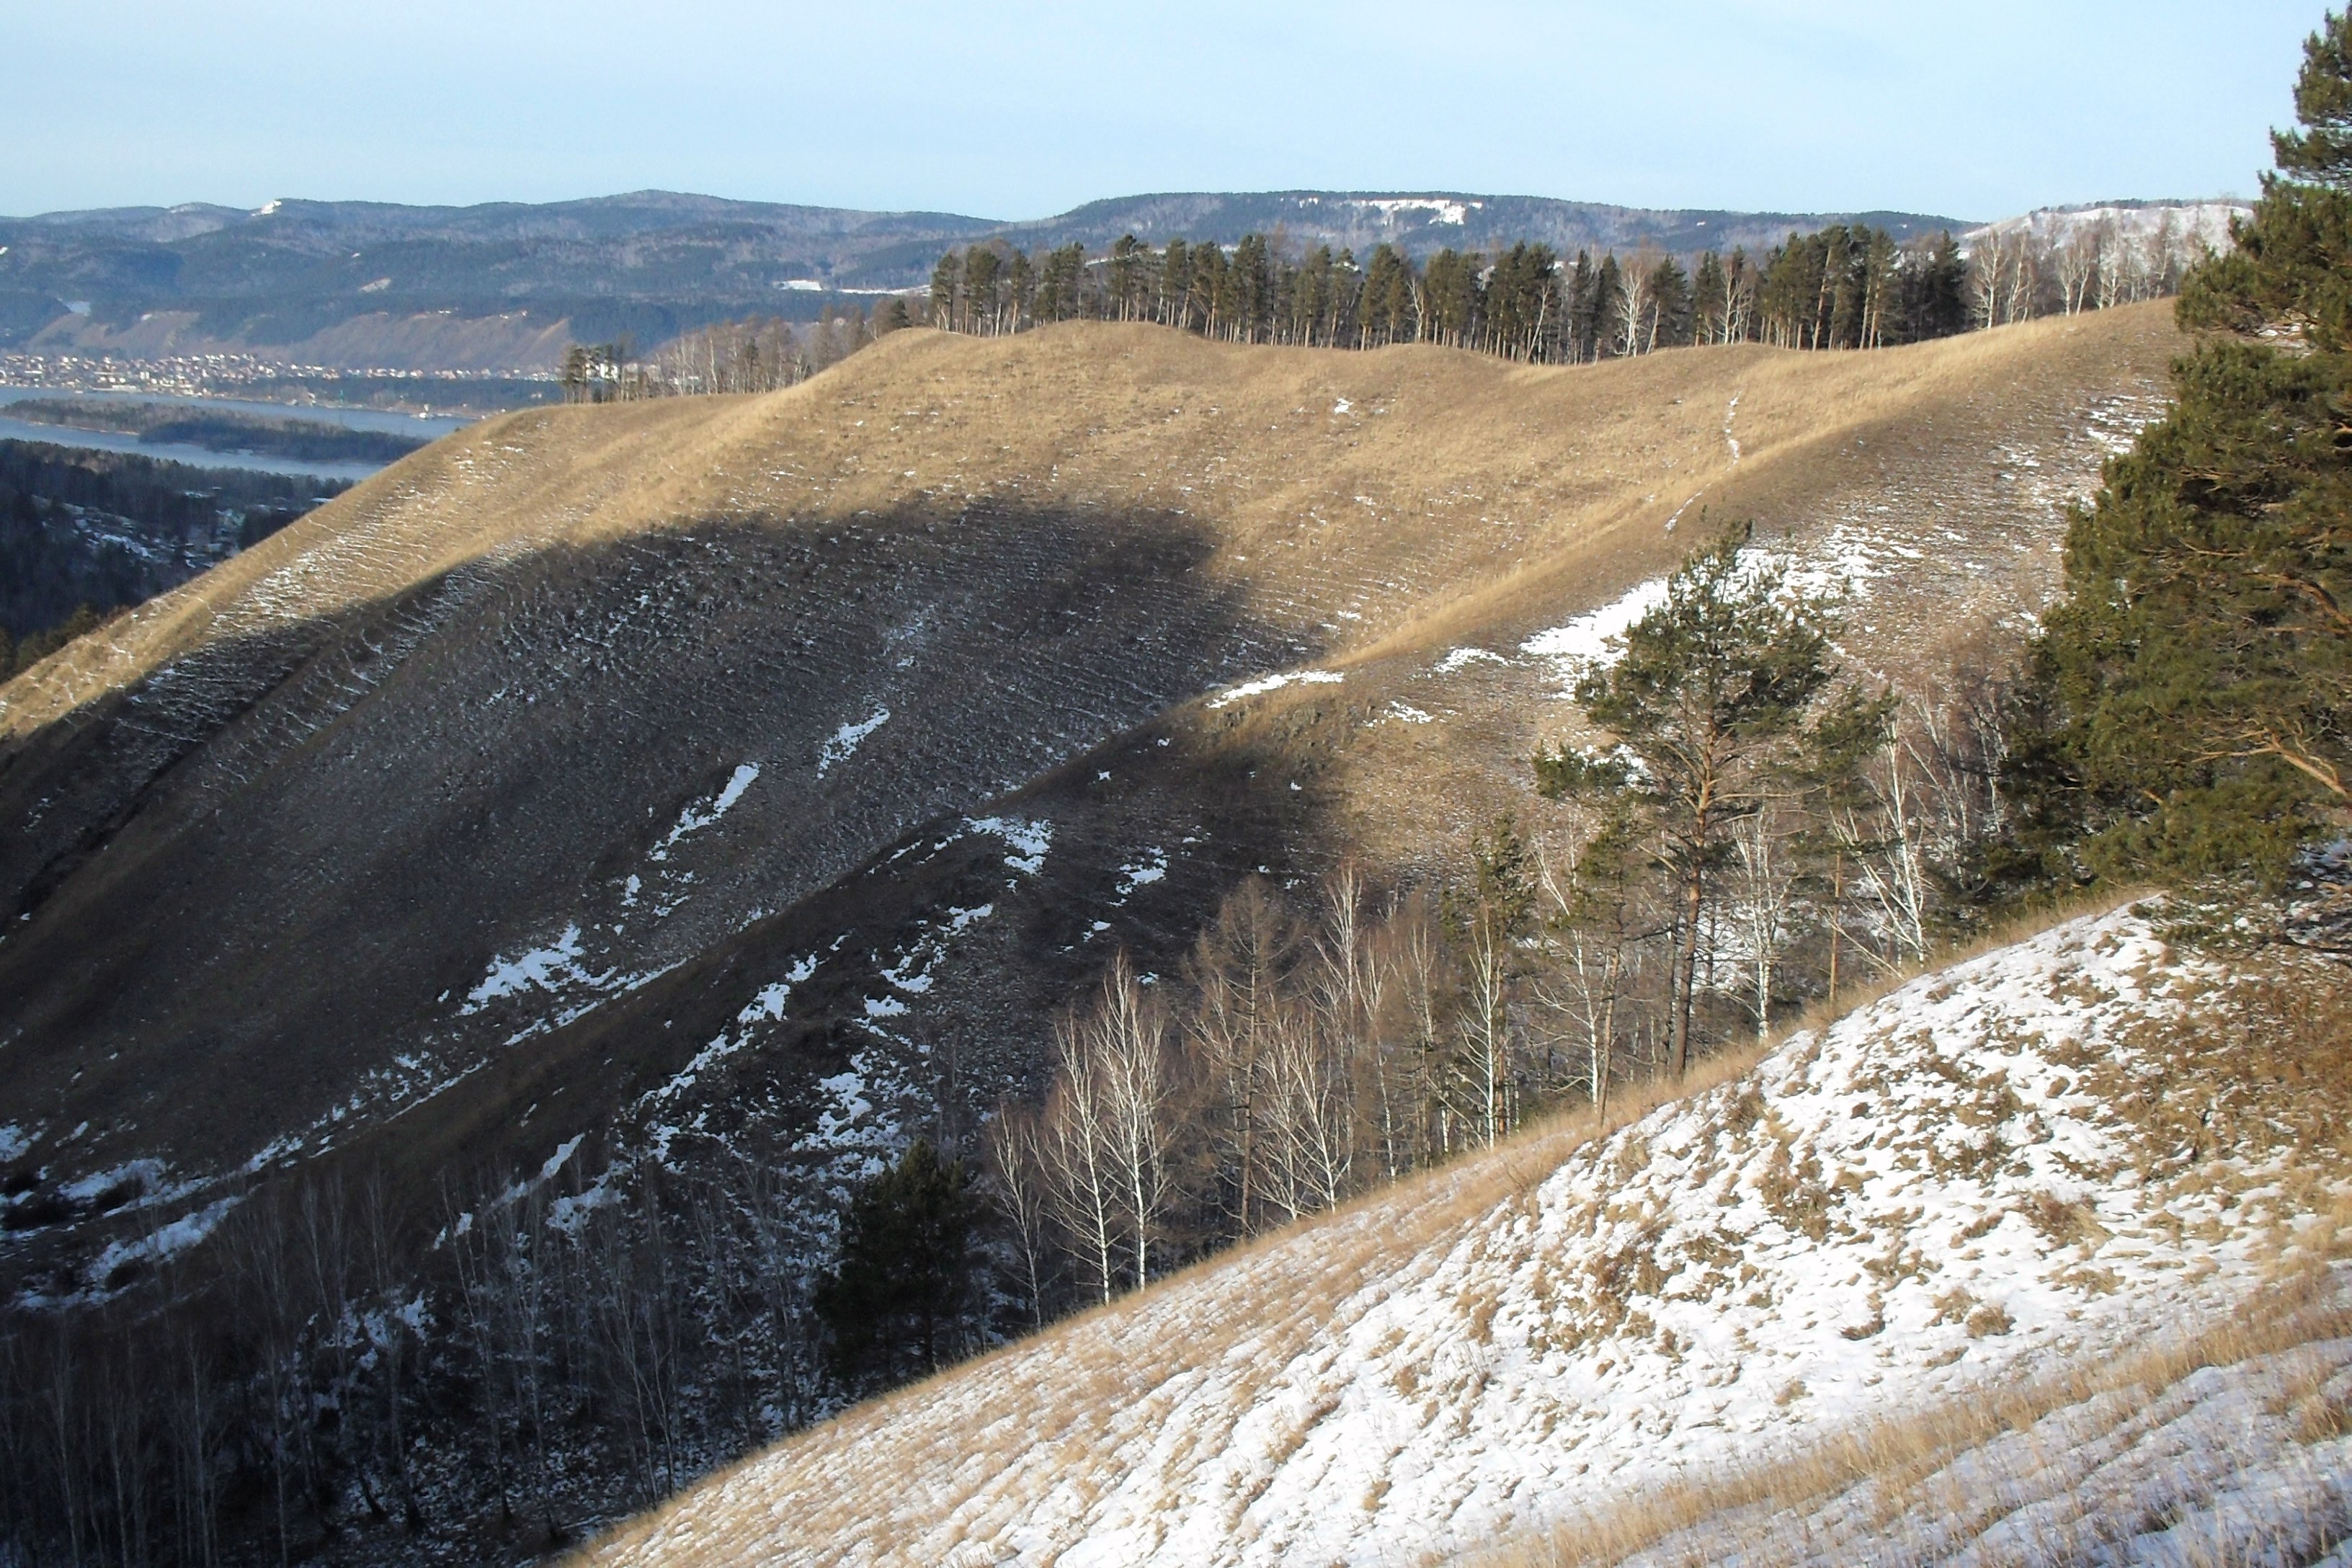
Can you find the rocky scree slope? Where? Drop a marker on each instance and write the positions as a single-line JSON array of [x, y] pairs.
[[2017, 1173], [642, 781]]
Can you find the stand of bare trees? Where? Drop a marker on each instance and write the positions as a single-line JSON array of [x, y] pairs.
[[2016, 274], [1313, 1047], [755, 355], [297, 1386]]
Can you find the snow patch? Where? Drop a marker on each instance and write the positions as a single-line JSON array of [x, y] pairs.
[[849, 1106], [1441, 209], [1462, 657], [548, 969], [694, 819], [767, 1006], [147, 1176], [1151, 866], [1028, 840], [570, 1212], [160, 1245], [1265, 683], [1591, 640], [846, 740]]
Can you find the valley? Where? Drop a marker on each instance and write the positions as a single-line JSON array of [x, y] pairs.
[[1282, 871], [666, 687], [651, 795]]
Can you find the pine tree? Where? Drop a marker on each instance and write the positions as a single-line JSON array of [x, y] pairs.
[[943, 290], [1670, 306], [2187, 710], [1452, 288], [1387, 310], [1061, 282], [1176, 286], [1931, 291], [1127, 276], [898, 1300], [1710, 301], [982, 268], [1608, 289], [1210, 293], [1581, 331], [1249, 283], [1709, 706]]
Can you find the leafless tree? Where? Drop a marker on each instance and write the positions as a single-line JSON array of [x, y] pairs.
[[1078, 1157], [1130, 1048], [2078, 267], [1636, 310], [1763, 893], [1016, 1162]]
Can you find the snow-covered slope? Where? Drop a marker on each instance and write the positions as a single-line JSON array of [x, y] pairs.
[[2205, 223], [2055, 1153]]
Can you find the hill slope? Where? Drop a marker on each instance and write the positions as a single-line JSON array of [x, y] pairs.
[[732, 773], [2038, 1160]]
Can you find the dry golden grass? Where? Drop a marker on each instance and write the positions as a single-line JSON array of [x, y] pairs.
[[1457, 496], [1458, 501]]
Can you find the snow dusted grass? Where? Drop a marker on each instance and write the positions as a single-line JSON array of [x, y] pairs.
[[2024, 1185], [2225, 1447]]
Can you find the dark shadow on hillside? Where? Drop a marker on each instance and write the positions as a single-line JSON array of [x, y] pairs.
[[270, 889]]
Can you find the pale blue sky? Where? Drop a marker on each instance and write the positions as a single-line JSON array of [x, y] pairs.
[[1005, 109]]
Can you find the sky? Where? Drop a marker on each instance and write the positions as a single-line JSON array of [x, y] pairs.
[[1015, 111]]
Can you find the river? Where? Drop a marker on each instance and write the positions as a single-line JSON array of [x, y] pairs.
[[429, 427]]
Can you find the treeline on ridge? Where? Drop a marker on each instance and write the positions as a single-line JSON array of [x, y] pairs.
[[1841, 287]]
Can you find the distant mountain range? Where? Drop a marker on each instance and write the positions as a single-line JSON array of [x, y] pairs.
[[506, 285]]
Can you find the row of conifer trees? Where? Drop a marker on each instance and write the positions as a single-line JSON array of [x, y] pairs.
[[1844, 287]]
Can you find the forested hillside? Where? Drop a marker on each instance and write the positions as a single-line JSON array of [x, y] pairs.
[[84, 534]]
